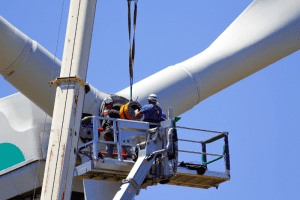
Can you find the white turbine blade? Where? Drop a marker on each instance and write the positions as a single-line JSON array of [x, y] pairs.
[[27, 66], [12, 43], [263, 34]]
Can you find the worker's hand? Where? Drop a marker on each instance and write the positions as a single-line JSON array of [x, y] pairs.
[[136, 111]]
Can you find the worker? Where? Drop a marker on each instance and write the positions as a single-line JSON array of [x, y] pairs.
[[151, 111], [107, 126]]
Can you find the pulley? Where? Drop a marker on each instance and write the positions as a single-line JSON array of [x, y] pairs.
[[127, 110]]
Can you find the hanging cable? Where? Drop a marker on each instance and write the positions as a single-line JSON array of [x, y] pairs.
[[131, 51]]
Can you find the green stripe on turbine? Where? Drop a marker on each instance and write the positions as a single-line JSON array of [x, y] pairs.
[[10, 155]]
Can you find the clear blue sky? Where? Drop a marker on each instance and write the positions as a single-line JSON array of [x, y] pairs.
[[261, 112]]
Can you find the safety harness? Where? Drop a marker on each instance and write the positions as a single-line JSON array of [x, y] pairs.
[[108, 135]]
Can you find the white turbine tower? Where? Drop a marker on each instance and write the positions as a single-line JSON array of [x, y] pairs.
[[264, 33]]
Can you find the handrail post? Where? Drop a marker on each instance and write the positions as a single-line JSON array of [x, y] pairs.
[[115, 131], [95, 141], [227, 160], [170, 113], [204, 158], [119, 145]]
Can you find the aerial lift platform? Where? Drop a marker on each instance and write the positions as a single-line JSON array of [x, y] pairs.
[[157, 157]]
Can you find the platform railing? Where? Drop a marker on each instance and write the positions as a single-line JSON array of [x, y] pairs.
[[116, 132], [118, 143], [220, 135]]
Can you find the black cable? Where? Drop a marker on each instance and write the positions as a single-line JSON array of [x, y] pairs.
[[131, 50]]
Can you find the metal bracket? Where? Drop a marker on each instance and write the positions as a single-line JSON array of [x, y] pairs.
[[133, 183], [67, 79], [71, 78]]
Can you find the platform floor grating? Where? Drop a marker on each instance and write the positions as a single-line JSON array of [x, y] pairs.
[[196, 181], [181, 179]]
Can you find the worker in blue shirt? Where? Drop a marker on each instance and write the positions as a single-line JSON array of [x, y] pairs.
[[152, 112]]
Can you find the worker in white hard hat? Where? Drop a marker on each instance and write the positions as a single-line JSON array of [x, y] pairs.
[[151, 111], [107, 126]]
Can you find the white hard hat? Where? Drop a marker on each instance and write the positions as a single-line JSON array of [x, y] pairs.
[[108, 100], [152, 98]]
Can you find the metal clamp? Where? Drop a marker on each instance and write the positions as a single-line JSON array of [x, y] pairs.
[[71, 78]]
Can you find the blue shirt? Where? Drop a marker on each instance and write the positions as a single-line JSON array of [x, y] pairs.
[[147, 111]]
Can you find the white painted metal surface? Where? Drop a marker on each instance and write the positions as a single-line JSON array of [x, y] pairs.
[[61, 157]]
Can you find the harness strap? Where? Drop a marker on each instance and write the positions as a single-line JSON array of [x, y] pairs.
[[158, 114], [157, 111]]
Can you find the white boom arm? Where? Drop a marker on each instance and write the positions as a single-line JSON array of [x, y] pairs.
[[135, 178], [147, 155]]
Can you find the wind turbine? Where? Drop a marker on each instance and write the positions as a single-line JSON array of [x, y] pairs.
[[267, 6]]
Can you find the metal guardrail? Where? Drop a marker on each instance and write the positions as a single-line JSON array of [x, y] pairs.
[[210, 154], [96, 140], [196, 129], [210, 140]]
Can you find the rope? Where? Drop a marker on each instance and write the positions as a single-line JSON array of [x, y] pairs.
[[62, 10], [131, 50]]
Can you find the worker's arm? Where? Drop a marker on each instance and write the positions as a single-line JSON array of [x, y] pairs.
[[114, 114]]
